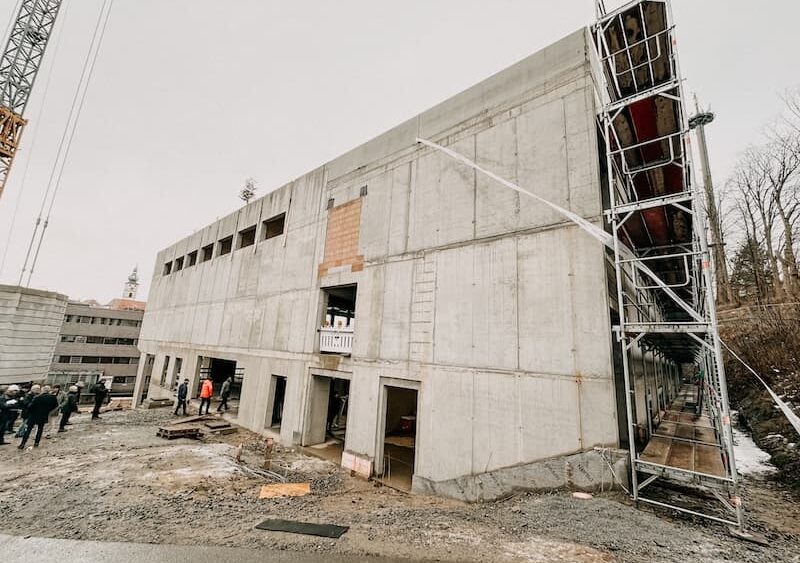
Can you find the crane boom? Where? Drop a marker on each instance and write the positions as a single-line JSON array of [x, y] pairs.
[[19, 65]]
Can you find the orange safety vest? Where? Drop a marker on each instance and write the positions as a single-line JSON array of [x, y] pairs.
[[207, 390]]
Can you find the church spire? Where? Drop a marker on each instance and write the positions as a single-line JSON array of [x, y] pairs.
[[132, 285]]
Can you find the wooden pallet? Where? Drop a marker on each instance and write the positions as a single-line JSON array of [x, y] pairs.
[[171, 432]]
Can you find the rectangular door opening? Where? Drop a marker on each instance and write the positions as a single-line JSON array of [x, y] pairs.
[[327, 422], [399, 437], [279, 397]]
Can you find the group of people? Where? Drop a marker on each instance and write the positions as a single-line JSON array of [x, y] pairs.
[[206, 392], [40, 406]]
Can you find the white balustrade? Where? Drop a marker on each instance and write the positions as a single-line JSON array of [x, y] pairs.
[[336, 340]]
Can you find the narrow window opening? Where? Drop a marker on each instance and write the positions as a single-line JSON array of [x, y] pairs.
[[208, 253], [225, 246], [274, 227], [247, 237]]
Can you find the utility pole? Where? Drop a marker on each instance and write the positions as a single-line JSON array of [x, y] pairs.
[[698, 122]]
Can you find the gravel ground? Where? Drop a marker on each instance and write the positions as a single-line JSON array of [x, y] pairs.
[[114, 480]]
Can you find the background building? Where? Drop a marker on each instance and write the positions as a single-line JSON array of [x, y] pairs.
[[100, 342], [30, 320]]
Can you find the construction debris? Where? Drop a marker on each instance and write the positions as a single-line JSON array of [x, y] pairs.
[[278, 490]]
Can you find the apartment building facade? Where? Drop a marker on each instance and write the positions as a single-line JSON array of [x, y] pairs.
[[98, 343]]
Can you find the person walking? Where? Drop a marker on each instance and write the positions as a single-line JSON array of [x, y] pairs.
[[8, 403], [25, 403], [69, 407], [101, 393], [224, 394], [183, 392], [38, 414], [15, 407], [206, 391]]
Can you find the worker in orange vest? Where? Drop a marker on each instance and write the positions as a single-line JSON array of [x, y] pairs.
[[206, 391]]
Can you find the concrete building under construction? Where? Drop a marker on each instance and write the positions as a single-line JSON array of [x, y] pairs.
[[423, 323]]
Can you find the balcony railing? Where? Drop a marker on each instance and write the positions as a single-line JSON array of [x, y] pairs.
[[336, 340]]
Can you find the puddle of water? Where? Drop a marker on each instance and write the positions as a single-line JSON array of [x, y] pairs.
[[750, 459]]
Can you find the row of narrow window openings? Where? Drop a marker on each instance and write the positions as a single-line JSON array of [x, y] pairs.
[[99, 340], [94, 360], [100, 320], [271, 228]]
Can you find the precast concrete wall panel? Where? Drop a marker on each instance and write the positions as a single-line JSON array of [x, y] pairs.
[[369, 313], [396, 313], [545, 308], [549, 417], [496, 206], [496, 419]]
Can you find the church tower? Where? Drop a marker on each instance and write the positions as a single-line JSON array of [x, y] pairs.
[[132, 285]]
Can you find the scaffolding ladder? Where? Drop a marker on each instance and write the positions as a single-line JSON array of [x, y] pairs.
[[665, 326]]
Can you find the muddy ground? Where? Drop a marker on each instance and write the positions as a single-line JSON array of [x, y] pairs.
[[115, 480]]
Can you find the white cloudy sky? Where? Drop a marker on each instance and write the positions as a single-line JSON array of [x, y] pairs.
[[190, 97]]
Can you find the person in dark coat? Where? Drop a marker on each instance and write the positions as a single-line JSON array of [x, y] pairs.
[[16, 407], [101, 393], [8, 404], [38, 414], [68, 408], [183, 392], [224, 394], [25, 402]]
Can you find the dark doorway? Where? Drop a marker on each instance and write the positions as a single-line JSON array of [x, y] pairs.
[[326, 427], [147, 372], [276, 418], [400, 436], [338, 396]]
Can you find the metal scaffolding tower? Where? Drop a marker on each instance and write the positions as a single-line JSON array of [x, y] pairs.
[[19, 65], [678, 418]]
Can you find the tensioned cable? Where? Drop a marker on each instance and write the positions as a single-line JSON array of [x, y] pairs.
[[35, 135], [65, 144]]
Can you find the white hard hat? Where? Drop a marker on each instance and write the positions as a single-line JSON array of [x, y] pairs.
[[13, 388], [73, 388]]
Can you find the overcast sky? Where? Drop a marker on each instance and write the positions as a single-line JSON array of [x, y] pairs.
[[190, 97]]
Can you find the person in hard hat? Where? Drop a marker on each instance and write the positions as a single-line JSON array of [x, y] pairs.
[[69, 407], [8, 404], [206, 391]]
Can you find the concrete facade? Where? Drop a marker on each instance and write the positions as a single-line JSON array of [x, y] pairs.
[[489, 305], [30, 320]]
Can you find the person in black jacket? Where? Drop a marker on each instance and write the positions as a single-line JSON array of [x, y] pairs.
[[38, 413], [183, 392], [68, 408], [8, 405], [101, 393], [24, 403]]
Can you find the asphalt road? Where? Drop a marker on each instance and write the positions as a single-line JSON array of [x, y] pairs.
[[15, 549]]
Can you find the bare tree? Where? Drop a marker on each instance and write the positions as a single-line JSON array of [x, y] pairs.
[[779, 162], [757, 205]]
